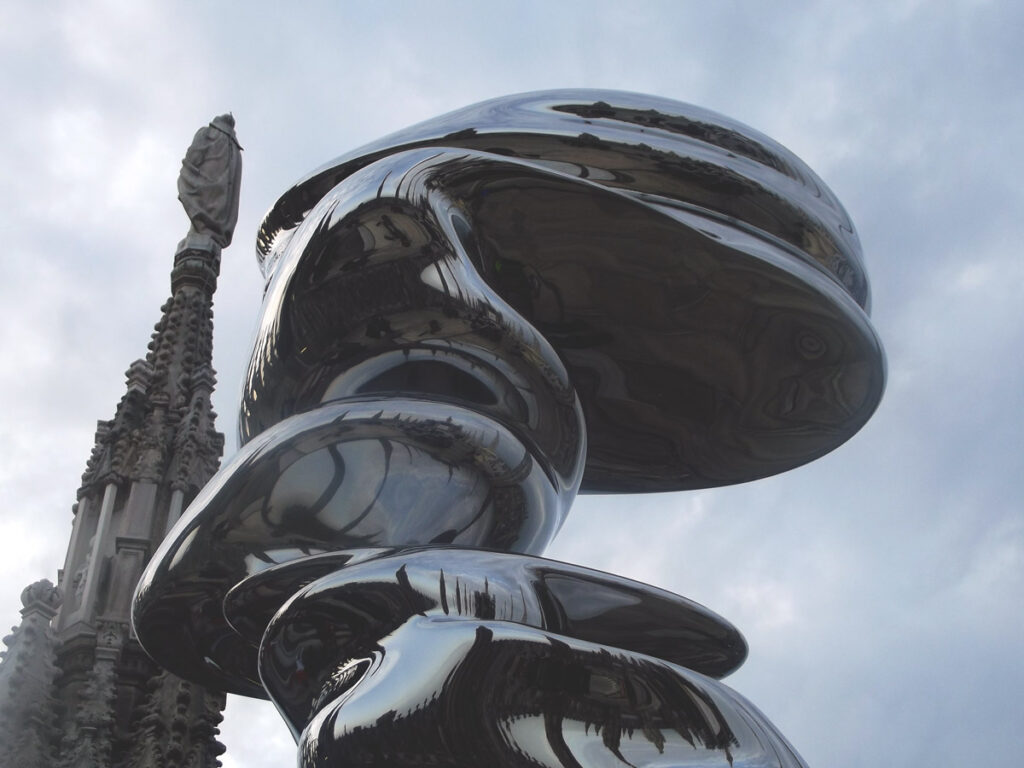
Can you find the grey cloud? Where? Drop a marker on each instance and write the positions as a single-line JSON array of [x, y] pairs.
[[879, 588]]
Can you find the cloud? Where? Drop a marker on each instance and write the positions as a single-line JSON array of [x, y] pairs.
[[879, 588]]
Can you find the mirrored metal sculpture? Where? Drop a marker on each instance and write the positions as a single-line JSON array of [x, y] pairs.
[[465, 324]]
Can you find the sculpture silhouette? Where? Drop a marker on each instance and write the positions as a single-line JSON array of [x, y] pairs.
[[465, 324]]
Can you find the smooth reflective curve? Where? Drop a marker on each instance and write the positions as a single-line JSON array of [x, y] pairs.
[[466, 694], [351, 474], [464, 324], [702, 286], [349, 613]]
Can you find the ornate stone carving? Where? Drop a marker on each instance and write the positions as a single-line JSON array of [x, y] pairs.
[[110, 634], [209, 183], [177, 726], [81, 576], [27, 672], [41, 598], [161, 439]]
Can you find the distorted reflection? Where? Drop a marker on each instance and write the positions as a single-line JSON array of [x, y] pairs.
[[350, 474], [465, 694], [345, 614], [709, 313], [464, 324]]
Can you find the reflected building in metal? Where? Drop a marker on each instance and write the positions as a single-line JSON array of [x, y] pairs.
[[464, 325]]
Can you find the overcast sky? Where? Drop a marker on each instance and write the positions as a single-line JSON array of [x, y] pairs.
[[881, 589]]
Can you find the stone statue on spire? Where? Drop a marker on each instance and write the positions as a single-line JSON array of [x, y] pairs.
[[208, 185], [76, 688]]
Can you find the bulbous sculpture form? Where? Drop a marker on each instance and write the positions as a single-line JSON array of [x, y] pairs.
[[465, 324]]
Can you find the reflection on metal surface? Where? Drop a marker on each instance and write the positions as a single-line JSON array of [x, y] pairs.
[[461, 693], [347, 614], [701, 285], [464, 324], [350, 474]]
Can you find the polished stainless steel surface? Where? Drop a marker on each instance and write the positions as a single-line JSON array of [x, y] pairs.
[[490, 693], [352, 473], [348, 613], [702, 286], [464, 324]]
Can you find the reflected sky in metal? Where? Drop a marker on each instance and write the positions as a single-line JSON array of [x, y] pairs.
[[351, 474], [702, 287], [467, 694], [348, 613], [465, 324]]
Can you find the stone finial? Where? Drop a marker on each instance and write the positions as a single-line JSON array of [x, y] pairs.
[[204, 378], [138, 375], [41, 597], [208, 185]]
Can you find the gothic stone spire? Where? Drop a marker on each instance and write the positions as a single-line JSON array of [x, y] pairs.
[[91, 684], [148, 462]]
